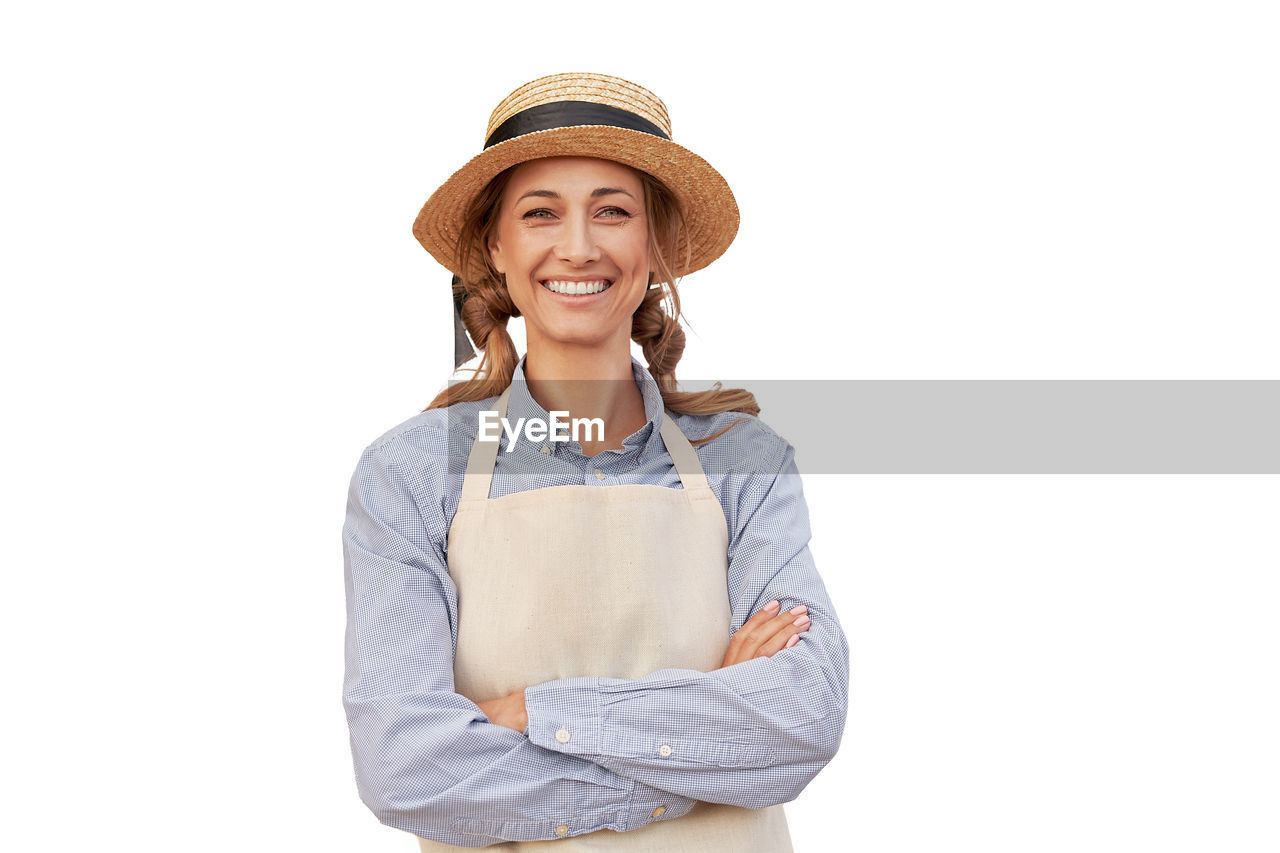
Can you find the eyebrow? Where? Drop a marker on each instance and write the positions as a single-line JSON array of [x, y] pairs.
[[596, 193]]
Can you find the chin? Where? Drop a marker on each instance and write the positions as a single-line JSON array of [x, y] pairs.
[[568, 340], [578, 337]]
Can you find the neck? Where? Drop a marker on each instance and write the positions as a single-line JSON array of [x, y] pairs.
[[587, 383]]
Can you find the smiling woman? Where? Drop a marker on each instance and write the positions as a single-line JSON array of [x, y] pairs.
[[487, 302], [624, 632]]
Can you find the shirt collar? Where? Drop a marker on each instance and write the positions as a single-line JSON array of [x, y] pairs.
[[646, 440]]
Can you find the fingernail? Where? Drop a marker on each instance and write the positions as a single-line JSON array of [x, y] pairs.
[[795, 638], [799, 608], [803, 620], [773, 605]]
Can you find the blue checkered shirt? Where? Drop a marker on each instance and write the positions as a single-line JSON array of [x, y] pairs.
[[428, 761]]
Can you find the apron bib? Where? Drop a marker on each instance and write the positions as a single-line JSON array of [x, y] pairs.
[[612, 581]]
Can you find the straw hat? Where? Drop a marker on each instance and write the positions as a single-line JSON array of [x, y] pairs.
[[587, 115]]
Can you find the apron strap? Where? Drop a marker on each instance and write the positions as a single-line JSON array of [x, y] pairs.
[[683, 454], [479, 475], [478, 478]]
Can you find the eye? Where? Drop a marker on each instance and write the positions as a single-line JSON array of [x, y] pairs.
[[615, 213], [537, 213]]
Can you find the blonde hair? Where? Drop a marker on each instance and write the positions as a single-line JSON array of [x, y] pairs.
[[655, 325]]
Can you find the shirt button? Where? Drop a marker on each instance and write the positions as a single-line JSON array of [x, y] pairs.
[[546, 450], [561, 829], [659, 811], [599, 474], [563, 735], [664, 750]]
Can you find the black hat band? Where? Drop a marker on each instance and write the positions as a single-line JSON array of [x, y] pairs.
[[570, 114]]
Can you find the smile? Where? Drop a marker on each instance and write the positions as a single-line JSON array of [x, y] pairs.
[[577, 288]]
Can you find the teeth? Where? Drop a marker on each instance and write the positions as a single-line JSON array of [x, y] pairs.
[[575, 288]]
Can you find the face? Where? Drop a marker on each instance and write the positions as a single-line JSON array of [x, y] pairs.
[[569, 224]]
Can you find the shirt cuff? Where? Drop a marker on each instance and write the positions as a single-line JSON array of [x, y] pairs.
[[649, 805], [564, 715]]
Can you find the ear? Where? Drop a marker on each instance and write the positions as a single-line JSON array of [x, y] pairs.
[[496, 255]]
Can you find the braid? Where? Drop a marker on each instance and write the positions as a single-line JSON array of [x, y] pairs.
[[660, 337], [656, 327], [486, 305]]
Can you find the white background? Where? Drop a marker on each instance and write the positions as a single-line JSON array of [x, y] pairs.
[[213, 302]]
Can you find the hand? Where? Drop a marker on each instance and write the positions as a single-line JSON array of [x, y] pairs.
[[507, 711], [767, 632]]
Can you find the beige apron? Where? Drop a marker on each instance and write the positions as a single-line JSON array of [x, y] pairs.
[[615, 581]]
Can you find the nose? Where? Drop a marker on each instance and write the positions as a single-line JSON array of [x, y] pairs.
[[577, 244]]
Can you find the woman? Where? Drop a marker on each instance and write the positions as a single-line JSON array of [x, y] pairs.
[[548, 639]]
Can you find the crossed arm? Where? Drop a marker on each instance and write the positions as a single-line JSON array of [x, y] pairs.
[[432, 762], [769, 631]]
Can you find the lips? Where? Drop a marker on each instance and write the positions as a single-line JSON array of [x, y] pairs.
[[566, 287]]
